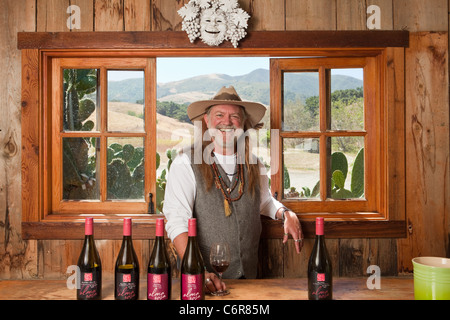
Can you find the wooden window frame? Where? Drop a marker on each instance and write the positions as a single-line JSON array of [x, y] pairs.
[[38, 48], [373, 152], [52, 125]]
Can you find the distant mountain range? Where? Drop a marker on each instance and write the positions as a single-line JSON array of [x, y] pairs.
[[253, 86]]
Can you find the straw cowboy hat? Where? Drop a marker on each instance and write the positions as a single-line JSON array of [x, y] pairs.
[[254, 110]]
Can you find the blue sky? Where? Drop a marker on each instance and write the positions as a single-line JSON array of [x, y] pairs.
[[173, 69]]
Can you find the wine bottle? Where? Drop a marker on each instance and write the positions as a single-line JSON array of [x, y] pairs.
[[192, 267], [159, 271], [127, 268], [320, 282], [90, 267]]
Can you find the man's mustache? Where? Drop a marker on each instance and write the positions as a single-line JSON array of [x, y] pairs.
[[219, 127]]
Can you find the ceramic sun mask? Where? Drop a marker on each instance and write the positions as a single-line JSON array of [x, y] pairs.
[[213, 26], [214, 21]]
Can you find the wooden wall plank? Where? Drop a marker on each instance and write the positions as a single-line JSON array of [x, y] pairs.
[[271, 258], [310, 15], [17, 257], [351, 15], [382, 253], [296, 265], [420, 15], [165, 16], [386, 13], [427, 148], [352, 257], [109, 15], [86, 14], [264, 14], [51, 15], [137, 15], [394, 91]]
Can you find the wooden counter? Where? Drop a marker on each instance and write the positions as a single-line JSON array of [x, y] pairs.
[[398, 288]]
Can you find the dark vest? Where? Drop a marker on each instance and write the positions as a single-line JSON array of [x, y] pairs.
[[242, 229]]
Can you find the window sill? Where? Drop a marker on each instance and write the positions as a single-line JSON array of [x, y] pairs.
[[340, 228], [144, 228], [106, 227]]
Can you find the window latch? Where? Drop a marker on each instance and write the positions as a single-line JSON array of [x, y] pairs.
[[151, 207]]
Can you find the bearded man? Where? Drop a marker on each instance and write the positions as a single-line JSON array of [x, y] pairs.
[[226, 189]]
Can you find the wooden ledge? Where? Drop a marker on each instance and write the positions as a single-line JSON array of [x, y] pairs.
[[179, 40], [271, 229]]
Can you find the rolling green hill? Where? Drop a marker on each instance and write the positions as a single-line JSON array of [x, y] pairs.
[[253, 86]]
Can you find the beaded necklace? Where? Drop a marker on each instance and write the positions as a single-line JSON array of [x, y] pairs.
[[226, 191]]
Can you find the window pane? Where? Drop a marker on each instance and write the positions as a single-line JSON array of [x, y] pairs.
[[346, 179], [125, 171], [347, 100], [80, 168], [301, 101], [301, 173], [126, 100], [80, 99]]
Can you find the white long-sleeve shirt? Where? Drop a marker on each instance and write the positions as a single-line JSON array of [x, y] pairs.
[[181, 190]]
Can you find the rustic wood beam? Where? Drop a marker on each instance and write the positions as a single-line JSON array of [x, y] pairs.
[[179, 40], [272, 229]]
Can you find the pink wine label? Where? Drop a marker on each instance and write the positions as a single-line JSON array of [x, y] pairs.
[[158, 286], [191, 287], [126, 286], [89, 287], [321, 286], [321, 277]]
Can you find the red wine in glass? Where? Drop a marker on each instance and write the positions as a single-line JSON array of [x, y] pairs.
[[219, 258], [220, 266]]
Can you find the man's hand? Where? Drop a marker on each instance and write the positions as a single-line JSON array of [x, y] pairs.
[[293, 227], [213, 283]]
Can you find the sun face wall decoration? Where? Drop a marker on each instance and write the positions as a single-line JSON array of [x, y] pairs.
[[214, 21]]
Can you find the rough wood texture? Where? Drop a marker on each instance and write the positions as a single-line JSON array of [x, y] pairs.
[[420, 15], [137, 15], [165, 16], [256, 39], [261, 289], [267, 14], [311, 15], [86, 15], [427, 148], [49, 15], [17, 257], [145, 229], [109, 15]]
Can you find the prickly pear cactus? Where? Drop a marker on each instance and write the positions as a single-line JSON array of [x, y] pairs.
[[339, 170], [79, 180], [338, 191], [357, 182], [339, 162], [125, 172]]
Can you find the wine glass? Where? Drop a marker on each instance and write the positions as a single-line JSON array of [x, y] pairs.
[[219, 257]]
